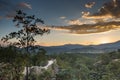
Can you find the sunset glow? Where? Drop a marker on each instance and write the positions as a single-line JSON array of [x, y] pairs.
[[104, 40], [75, 22]]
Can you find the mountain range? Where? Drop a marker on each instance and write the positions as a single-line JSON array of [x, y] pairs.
[[76, 48]]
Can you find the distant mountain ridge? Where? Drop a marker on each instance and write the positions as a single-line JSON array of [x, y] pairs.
[[76, 48], [110, 45]]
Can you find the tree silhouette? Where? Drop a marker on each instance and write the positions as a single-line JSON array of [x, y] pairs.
[[30, 26]]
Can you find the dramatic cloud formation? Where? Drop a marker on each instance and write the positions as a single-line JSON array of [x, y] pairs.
[[74, 22], [62, 17], [90, 4], [90, 28], [107, 18], [108, 10], [85, 14], [80, 21]]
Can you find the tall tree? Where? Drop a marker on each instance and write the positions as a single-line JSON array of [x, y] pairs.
[[30, 26]]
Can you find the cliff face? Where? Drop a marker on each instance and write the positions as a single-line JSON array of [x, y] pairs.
[[37, 70]]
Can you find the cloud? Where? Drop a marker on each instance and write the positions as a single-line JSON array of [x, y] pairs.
[[85, 14], [108, 10], [80, 21], [90, 4], [105, 19], [90, 28], [8, 8], [62, 17], [25, 5], [74, 22]]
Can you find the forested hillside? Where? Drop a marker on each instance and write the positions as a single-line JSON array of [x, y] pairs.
[[65, 66]]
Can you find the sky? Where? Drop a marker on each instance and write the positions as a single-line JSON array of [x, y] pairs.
[[86, 22]]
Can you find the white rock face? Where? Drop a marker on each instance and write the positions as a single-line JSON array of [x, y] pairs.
[[37, 69], [50, 62]]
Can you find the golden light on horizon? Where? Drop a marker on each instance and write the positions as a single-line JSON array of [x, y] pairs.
[[104, 41], [83, 39]]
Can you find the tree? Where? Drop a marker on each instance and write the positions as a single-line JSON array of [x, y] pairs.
[[30, 27], [12, 64]]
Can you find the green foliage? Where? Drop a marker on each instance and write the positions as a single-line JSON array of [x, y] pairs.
[[11, 64], [70, 66], [85, 67], [73, 66], [109, 66], [39, 58]]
